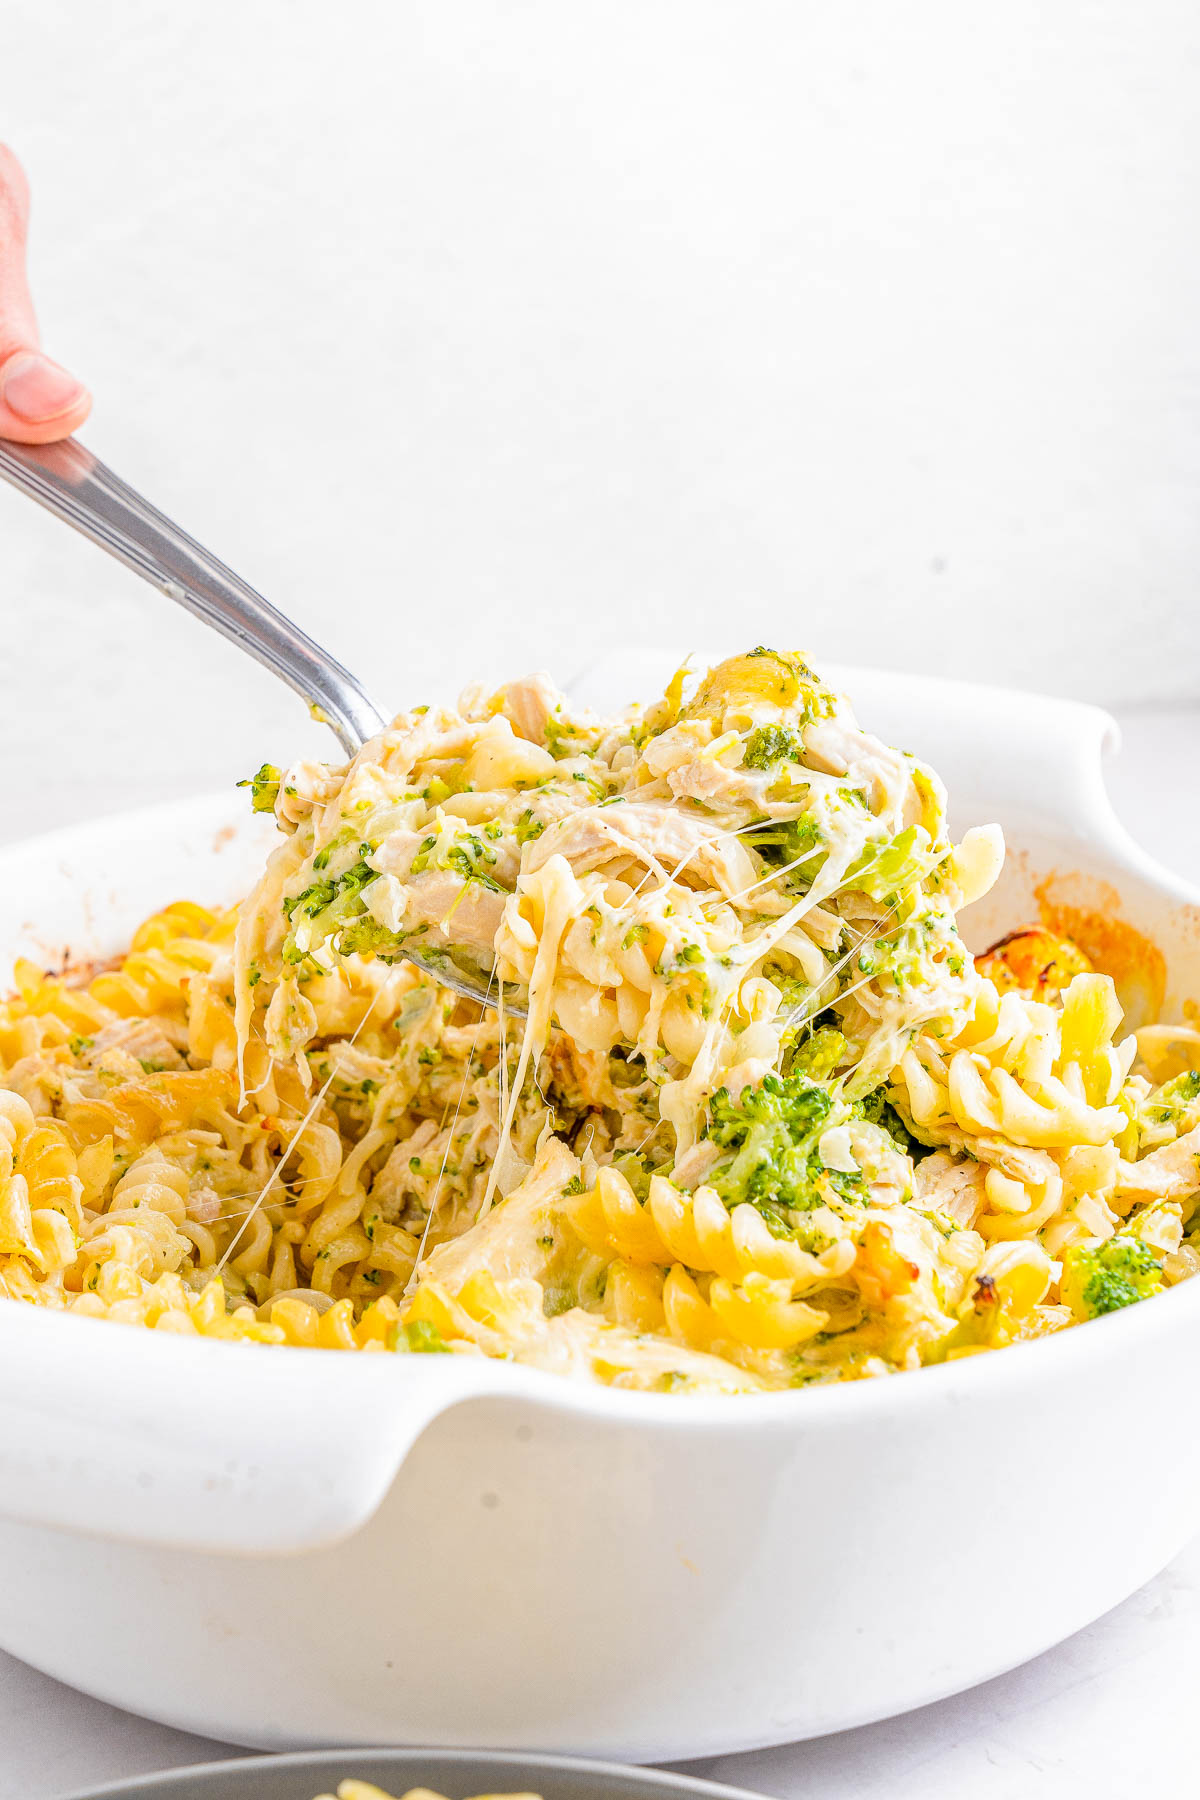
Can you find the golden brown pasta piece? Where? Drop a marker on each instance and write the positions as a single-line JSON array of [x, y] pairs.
[[1034, 961]]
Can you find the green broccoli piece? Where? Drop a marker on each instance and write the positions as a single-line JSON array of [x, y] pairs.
[[463, 855], [1167, 1104], [324, 857], [567, 737], [264, 788], [331, 903], [819, 1055], [897, 867], [437, 791], [770, 1134], [1105, 1277], [367, 937], [323, 894], [771, 744], [786, 841], [636, 1170], [419, 1337]]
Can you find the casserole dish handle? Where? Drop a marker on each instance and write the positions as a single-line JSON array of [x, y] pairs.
[[209, 1446]]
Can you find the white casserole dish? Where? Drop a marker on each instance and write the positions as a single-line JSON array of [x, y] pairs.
[[293, 1548]]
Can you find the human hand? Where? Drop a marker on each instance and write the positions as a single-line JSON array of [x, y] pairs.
[[39, 401]]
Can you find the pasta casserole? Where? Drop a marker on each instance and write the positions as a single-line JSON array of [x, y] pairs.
[[742, 1112]]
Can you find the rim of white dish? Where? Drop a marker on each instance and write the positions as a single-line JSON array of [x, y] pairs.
[[620, 1777]]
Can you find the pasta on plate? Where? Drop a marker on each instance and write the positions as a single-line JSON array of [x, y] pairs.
[[766, 1123], [366, 1790]]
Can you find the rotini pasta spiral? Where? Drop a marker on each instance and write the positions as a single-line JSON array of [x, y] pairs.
[[768, 1122]]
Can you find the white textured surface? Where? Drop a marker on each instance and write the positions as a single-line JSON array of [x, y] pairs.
[[466, 332], [1106, 1714]]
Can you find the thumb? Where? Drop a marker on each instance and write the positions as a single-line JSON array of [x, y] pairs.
[[39, 401]]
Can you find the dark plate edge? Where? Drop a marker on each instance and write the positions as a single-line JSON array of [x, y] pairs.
[[624, 1777]]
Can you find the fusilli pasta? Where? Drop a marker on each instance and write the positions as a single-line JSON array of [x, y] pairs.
[[768, 1122]]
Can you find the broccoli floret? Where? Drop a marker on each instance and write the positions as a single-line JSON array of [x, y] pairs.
[[264, 788], [772, 744], [770, 1132], [793, 1101], [318, 898], [819, 1055], [785, 841], [367, 937], [332, 903], [1105, 1277]]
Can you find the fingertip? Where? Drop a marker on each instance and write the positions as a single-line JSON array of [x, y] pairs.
[[50, 431], [40, 402]]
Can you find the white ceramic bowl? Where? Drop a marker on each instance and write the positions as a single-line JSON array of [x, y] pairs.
[[289, 1548]]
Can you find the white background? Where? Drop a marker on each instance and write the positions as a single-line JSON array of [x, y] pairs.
[[482, 336], [478, 334]]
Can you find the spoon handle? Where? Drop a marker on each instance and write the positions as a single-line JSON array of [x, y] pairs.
[[69, 481], [75, 485]]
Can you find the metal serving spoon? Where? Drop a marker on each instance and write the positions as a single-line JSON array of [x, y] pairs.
[[76, 486]]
